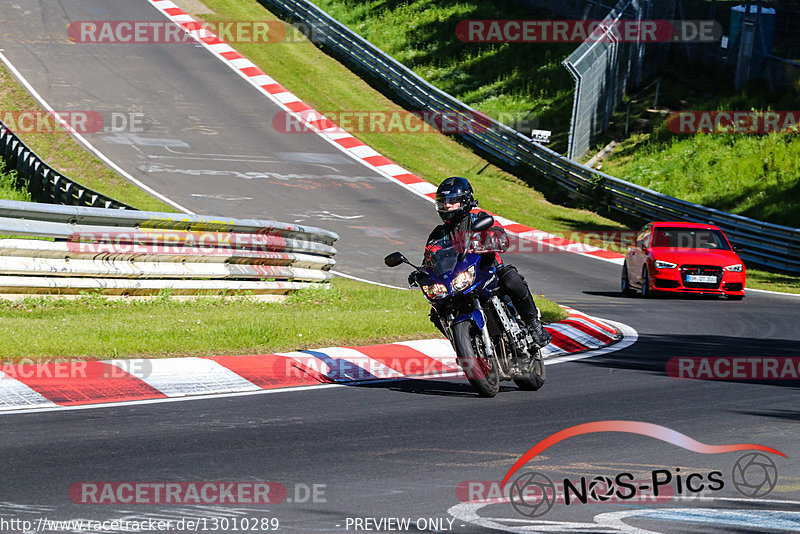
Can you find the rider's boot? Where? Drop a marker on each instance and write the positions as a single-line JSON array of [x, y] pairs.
[[533, 320], [517, 289]]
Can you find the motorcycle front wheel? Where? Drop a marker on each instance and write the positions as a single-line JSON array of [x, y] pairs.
[[474, 361], [535, 378]]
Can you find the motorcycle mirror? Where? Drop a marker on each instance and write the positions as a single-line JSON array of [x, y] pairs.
[[483, 222], [394, 259]]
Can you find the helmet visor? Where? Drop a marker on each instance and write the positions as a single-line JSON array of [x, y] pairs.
[[446, 207], [446, 202]]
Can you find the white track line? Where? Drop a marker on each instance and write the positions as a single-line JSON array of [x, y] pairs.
[[351, 277], [748, 290], [78, 137]]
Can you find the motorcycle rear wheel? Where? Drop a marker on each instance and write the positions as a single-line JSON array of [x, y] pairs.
[[533, 380], [480, 370]]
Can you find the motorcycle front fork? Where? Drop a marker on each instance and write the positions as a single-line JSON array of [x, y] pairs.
[[487, 342], [502, 370]]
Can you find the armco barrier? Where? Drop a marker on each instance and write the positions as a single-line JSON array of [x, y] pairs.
[[765, 244], [44, 182], [142, 253]]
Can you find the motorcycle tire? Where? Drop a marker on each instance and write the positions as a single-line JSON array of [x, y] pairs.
[[533, 380], [480, 371]]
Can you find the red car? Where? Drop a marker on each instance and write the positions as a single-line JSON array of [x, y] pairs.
[[683, 257]]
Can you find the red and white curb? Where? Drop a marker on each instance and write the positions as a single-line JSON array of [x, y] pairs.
[[347, 143], [26, 388]]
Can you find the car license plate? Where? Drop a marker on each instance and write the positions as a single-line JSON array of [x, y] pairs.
[[701, 279]]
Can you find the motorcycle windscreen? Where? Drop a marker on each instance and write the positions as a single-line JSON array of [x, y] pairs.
[[495, 239], [444, 260]]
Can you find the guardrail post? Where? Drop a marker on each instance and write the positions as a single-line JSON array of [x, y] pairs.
[[66, 194], [10, 155], [55, 184]]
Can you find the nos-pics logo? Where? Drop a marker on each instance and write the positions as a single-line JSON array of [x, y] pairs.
[[533, 494]]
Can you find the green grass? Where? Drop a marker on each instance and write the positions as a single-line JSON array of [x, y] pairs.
[[327, 85], [47, 329], [756, 176], [303, 69], [785, 283], [9, 188], [491, 77], [64, 154], [352, 313], [752, 175]]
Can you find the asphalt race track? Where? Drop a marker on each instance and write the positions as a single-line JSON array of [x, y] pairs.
[[403, 449]]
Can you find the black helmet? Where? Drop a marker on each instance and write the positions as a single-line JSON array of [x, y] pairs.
[[454, 190]]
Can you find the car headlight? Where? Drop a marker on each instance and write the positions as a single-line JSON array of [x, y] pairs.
[[735, 268], [435, 291], [464, 279], [665, 265]]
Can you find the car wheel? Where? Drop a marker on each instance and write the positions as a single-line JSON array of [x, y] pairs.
[[625, 283], [735, 297], [645, 290]]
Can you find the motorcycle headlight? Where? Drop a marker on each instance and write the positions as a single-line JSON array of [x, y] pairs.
[[464, 279], [735, 268], [665, 265], [435, 291]]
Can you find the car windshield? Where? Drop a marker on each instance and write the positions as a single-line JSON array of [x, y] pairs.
[[689, 238]]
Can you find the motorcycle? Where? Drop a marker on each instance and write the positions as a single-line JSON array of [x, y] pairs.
[[491, 341]]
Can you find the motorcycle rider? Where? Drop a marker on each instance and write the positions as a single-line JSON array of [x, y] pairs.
[[454, 203]]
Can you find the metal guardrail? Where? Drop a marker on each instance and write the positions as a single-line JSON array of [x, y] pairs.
[[44, 182], [159, 220], [766, 245], [142, 253]]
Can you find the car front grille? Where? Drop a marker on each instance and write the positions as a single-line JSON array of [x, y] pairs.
[[705, 270]]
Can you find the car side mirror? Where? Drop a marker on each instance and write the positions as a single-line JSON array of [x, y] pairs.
[[394, 259], [484, 221]]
